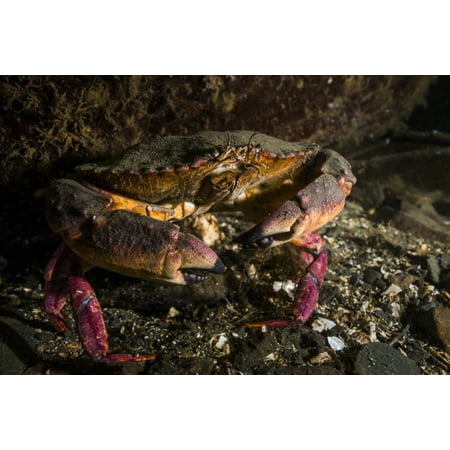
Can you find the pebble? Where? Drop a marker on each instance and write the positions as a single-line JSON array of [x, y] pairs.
[[10, 362], [371, 275], [435, 324], [381, 359], [392, 290], [434, 270], [441, 321], [445, 260]]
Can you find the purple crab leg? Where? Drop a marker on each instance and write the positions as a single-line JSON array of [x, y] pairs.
[[62, 280], [91, 325], [315, 258], [56, 290], [309, 284]]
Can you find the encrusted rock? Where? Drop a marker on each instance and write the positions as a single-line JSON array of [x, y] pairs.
[[381, 359]]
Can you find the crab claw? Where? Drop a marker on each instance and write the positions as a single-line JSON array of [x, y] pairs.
[[313, 206], [145, 248], [195, 254]]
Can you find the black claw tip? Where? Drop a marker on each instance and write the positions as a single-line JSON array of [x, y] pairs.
[[219, 267], [265, 242]]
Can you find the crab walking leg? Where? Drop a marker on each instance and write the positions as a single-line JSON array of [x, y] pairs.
[[56, 290], [315, 259], [90, 323], [315, 256]]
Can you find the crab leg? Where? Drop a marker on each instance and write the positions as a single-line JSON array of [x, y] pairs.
[[64, 278], [313, 254], [56, 290], [90, 323], [315, 259]]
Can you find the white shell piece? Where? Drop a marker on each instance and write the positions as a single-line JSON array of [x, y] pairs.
[[392, 290], [335, 343], [221, 341], [322, 324], [289, 286]]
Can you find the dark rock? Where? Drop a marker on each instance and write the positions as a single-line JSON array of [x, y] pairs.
[[10, 362], [445, 260], [371, 275], [445, 279], [441, 322], [434, 323], [381, 359], [413, 219], [3, 262]]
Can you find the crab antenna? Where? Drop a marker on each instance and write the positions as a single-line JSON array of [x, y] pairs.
[[228, 139], [250, 140]]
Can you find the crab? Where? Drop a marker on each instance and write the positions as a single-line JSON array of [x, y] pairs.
[[123, 216]]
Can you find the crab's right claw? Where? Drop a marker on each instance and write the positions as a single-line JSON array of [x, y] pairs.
[[128, 242], [146, 248], [314, 205]]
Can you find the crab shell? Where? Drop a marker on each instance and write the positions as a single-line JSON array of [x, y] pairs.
[[202, 170]]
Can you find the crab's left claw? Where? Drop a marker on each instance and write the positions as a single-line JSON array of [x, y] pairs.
[[295, 221], [104, 235], [194, 254], [148, 249]]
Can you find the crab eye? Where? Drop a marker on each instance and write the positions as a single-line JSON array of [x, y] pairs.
[[216, 187]]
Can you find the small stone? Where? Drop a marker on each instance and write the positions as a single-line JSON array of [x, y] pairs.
[[441, 316], [434, 323], [445, 260], [321, 358], [173, 312], [371, 275], [382, 359], [433, 269]]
